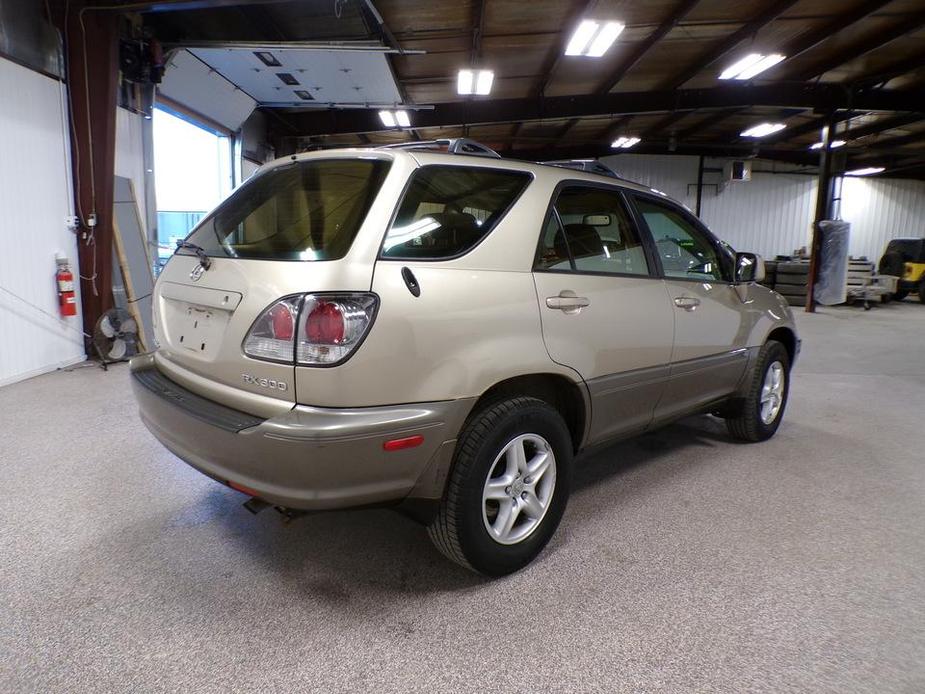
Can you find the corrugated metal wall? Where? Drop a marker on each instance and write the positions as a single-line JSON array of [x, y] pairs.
[[771, 214], [34, 201], [882, 209], [667, 173]]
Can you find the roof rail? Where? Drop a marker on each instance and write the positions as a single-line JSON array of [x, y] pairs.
[[454, 145], [589, 165]]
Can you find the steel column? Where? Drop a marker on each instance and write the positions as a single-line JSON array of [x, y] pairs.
[[92, 74]]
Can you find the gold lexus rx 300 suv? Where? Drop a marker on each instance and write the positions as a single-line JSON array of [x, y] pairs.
[[444, 332]]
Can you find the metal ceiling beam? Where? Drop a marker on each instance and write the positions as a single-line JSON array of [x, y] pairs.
[[828, 97], [552, 61], [882, 125], [881, 38], [177, 5], [747, 30], [711, 121], [806, 42], [602, 150], [665, 123], [901, 141], [643, 46], [891, 71], [478, 29], [816, 125]]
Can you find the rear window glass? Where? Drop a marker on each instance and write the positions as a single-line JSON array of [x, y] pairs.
[[302, 211], [448, 210]]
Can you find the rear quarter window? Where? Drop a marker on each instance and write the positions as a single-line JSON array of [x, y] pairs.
[[447, 210]]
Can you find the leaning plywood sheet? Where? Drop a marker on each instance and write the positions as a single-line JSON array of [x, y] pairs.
[[131, 247]]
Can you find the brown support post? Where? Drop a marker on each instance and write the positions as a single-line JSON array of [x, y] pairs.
[[823, 210], [92, 57]]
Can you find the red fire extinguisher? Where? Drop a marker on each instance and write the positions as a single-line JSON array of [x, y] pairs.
[[67, 300]]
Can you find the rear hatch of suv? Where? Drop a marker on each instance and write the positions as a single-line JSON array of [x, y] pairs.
[[290, 254]]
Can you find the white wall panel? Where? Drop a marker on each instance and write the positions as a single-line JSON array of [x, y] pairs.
[[34, 201], [880, 209], [771, 214], [667, 173], [130, 158]]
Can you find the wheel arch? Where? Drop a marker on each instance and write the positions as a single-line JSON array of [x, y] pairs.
[[787, 337], [569, 398]]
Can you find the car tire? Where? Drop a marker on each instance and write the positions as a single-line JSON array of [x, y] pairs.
[[752, 422], [469, 528], [922, 291]]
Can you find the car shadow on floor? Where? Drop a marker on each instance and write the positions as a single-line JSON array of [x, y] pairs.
[[337, 554]]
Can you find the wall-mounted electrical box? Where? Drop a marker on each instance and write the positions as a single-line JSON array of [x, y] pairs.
[[737, 170]]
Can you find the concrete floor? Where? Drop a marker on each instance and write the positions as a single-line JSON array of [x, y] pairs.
[[685, 562]]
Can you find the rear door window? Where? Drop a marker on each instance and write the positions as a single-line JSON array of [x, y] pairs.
[[591, 231], [310, 210], [447, 210]]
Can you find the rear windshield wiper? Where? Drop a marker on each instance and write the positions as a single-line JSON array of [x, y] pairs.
[[200, 252]]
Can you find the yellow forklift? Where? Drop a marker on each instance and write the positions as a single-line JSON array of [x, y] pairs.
[[905, 258]]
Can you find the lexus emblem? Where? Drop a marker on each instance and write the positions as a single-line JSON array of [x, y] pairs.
[[196, 273]]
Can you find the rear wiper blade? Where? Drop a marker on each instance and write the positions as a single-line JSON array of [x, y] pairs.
[[200, 252]]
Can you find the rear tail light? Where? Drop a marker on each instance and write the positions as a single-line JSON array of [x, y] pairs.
[[270, 337], [331, 326], [312, 329]]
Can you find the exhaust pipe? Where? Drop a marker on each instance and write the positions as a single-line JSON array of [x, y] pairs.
[[255, 505]]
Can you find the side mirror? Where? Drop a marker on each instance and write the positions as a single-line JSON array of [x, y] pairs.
[[749, 267]]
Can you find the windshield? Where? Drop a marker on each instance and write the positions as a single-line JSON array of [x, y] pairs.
[[301, 211]]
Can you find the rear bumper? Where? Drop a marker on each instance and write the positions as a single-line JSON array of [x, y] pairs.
[[309, 458]]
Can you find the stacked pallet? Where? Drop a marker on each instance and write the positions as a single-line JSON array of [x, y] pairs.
[[790, 281], [860, 273]]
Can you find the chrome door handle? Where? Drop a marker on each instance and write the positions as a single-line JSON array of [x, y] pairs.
[[688, 303], [567, 302]]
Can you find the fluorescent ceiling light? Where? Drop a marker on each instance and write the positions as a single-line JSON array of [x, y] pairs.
[[390, 119], [581, 37], [483, 82], [762, 130], [624, 142], [593, 39], [765, 63], [751, 65], [464, 81], [865, 172], [834, 145], [605, 38], [474, 82]]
